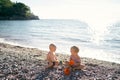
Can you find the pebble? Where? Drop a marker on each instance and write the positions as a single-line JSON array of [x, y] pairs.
[[19, 76], [6, 72], [46, 78], [117, 72], [5, 66], [1, 53], [25, 70], [14, 66], [77, 73], [11, 77], [5, 59], [114, 78], [37, 55], [2, 75]]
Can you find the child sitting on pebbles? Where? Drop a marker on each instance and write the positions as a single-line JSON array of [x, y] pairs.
[[75, 61], [51, 57]]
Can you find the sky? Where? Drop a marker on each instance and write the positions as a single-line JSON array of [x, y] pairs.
[[90, 11], [74, 9]]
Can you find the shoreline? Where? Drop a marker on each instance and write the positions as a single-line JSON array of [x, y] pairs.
[[25, 46], [29, 63]]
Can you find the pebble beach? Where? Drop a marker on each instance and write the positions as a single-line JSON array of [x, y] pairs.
[[22, 63]]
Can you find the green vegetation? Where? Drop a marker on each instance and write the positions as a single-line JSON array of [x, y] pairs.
[[15, 11]]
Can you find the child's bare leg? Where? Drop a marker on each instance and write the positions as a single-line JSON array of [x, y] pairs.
[[50, 65], [82, 66], [56, 64], [79, 67]]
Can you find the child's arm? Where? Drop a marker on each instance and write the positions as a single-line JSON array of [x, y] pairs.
[[78, 62], [70, 58], [54, 58], [48, 57]]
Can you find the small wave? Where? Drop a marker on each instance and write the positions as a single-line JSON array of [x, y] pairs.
[[113, 41], [76, 40], [115, 46], [3, 40]]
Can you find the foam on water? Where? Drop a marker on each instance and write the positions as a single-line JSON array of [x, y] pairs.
[[2, 40]]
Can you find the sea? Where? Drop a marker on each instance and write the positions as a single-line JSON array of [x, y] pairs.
[[102, 43]]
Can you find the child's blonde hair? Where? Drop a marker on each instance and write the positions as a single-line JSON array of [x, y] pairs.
[[52, 45], [76, 49]]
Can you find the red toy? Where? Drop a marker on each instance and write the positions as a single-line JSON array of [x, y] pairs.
[[66, 71], [71, 63]]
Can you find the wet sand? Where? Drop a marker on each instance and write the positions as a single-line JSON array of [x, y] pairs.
[[21, 63]]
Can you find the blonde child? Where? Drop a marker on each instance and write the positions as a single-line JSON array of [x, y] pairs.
[[51, 57], [75, 61]]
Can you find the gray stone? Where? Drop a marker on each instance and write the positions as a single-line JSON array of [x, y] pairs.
[[2, 75]]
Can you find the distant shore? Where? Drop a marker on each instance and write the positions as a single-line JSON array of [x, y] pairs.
[[24, 63], [20, 18]]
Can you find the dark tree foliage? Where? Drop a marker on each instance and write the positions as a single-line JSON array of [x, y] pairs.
[[20, 9], [5, 6], [10, 9]]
